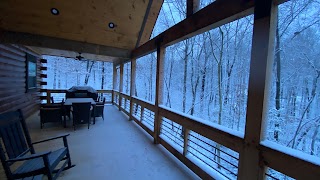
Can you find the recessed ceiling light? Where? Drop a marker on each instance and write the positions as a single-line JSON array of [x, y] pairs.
[[54, 11], [111, 25]]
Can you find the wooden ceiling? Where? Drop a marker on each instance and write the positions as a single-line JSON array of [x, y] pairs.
[[81, 24]]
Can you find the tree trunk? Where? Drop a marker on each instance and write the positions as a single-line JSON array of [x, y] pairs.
[[185, 71], [102, 75], [89, 69], [313, 94], [55, 75], [314, 138], [278, 83]]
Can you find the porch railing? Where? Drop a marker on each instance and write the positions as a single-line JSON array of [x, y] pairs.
[[205, 149], [59, 94], [190, 145]]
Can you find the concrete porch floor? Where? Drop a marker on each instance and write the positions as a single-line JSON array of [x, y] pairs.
[[111, 149]]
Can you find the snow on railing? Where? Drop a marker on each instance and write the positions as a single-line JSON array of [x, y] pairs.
[[272, 174], [59, 95]]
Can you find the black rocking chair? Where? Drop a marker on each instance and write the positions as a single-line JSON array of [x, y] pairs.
[[16, 147]]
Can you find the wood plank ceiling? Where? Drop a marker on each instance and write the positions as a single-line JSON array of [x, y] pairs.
[[80, 26]]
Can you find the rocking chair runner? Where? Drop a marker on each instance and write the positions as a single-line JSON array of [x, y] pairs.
[[16, 146]]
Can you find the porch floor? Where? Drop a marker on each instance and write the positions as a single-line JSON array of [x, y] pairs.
[[111, 149]]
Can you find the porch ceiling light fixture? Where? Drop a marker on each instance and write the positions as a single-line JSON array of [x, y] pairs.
[[111, 25], [54, 11]]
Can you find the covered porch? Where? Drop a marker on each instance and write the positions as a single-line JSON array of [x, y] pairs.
[[142, 138], [111, 149]]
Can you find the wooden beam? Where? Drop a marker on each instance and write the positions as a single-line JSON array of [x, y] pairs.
[[144, 22], [189, 8], [159, 92], [114, 80], [132, 85], [261, 57], [144, 104], [220, 12], [120, 84], [192, 7], [289, 164], [9, 37]]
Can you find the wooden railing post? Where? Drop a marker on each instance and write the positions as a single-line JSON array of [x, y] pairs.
[[112, 97], [141, 113], [159, 91], [114, 82], [48, 97], [120, 86], [250, 166], [185, 141], [132, 85]]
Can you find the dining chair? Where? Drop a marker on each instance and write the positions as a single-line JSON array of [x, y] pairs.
[[81, 113]]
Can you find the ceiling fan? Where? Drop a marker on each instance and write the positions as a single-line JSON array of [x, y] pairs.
[[79, 57]]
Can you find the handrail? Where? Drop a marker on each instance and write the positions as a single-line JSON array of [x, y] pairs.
[[233, 142], [50, 91], [186, 122], [144, 104], [228, 139]]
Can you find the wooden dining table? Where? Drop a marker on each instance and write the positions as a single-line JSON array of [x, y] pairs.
[[69, 102]]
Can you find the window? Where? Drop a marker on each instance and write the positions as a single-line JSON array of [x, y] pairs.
[[31, 72]]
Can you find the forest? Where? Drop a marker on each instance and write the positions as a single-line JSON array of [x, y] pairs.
[[207, 76]]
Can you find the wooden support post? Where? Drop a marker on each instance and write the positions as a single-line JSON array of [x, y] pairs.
[[250, 163], [48, 97], [114, 82], [192, 7], [112, 97], [120, 86], [159, 91], [141, 113], [132, 85], [185, 141]]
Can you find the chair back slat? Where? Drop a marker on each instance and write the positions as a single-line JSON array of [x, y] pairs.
[[5, 137], [12, 135], [19, 137]]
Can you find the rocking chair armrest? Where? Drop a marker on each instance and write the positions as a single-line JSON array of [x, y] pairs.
[[28, 157], [49, 139]]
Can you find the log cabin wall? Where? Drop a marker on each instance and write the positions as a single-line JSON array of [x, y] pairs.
[[13, 94]]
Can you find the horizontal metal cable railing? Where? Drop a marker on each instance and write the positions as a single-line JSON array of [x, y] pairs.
[[172, 131], [210, 151], [218, 157]]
